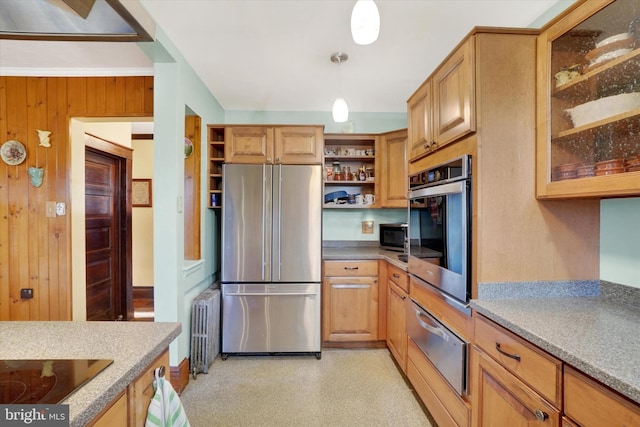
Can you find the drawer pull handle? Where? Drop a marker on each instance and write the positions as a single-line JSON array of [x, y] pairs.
[[513, 356], [351, 268], [541, 415], [396, 276]]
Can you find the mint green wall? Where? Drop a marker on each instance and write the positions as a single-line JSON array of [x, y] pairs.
[[620, 241], [358, 122], [176, 89]]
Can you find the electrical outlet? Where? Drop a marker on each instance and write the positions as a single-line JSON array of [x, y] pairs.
[[50, 209], [367, 227], [61, 209], [26, 293]]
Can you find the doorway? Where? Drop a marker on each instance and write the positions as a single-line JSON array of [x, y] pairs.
[[107, 230]]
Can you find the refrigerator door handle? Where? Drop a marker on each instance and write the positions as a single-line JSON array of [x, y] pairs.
[[278, 235], [264, 219]]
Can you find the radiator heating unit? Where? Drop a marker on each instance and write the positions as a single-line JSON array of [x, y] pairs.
[[205, 330]]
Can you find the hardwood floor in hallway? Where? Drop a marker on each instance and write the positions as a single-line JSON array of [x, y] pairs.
[[344, 388]]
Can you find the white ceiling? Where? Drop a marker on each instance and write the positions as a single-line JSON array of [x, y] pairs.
[[273, 55]]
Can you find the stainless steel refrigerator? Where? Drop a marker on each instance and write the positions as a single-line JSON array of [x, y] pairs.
[[271, 258]]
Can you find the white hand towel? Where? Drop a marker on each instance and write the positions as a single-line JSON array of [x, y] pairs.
[[165, 409]]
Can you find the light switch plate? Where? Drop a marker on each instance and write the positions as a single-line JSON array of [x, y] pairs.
[[367, 227], [50, 209]]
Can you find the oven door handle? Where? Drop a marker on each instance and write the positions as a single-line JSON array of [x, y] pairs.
[[433, 328]]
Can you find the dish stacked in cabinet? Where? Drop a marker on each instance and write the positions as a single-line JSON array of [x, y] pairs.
[[589, 102]]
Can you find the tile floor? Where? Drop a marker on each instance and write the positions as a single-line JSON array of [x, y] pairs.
[[344, 388]]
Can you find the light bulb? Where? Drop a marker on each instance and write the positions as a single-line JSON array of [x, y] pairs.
[[365, 22], [340, 111]]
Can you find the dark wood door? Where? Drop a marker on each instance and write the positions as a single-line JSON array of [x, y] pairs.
[[102, 225]]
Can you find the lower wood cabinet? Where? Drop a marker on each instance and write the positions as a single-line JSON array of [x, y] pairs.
[[116, 414], [350, 301], [501, 399], [130, 407], [590, 404], [514, 382], [397, 292]]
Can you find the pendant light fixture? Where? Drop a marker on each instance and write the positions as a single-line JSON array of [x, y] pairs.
[[365, 22], [340, 109]]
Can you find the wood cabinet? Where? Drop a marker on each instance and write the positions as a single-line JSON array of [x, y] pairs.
[[350, 301], [591, 404], [512, 382], [515, 383], [588, 103], [116, 414], [539, 370], [130, 407], [420, 125], [443, 108], [393, 166], [141, 390], [500, 399], [273, 144], [397, 292], [345, 156]]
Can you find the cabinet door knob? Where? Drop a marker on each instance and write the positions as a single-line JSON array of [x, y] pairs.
[[541, 415]]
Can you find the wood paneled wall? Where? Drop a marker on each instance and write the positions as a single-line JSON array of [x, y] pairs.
[[35, 249]]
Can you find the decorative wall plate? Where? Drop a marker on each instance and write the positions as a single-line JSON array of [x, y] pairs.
[[188, 147], [13, 152]]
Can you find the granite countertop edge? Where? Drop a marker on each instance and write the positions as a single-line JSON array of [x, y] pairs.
[[338, 250], [577, 296]]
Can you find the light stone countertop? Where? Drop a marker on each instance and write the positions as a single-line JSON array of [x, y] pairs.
[[131, 345], [596, 332], [340, 250]]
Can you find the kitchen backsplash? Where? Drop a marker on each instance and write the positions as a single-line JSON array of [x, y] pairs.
[[346, 224]]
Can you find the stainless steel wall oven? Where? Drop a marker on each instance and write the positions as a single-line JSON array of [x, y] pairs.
[[440, 227], [439, 249]]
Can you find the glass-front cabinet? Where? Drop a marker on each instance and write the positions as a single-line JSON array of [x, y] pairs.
[[588, 102]]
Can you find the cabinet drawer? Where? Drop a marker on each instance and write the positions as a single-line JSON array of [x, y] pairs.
[[398, 277], [536, 368], [591, 404], [350, 268]]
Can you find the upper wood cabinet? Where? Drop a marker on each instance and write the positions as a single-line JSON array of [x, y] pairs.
[[393, 159], [298, 145], [443, 109], [588, 102], [273, 145], [420, 125]]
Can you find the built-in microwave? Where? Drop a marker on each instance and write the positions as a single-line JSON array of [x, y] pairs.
[[393, 237]]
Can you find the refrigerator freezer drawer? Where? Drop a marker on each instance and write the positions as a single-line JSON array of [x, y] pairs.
[[270, 318]]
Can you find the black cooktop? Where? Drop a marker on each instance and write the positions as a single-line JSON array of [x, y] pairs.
[[45, 381]]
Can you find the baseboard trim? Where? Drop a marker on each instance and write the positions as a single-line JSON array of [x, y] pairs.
[[354, 344], [143, 292], [180, 376]]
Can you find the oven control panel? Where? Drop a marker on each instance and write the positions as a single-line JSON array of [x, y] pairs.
[[453, 170]]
